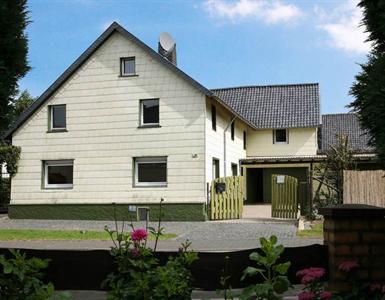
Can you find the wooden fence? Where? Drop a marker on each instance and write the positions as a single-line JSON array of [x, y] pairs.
[[364, 187], [227, 204]]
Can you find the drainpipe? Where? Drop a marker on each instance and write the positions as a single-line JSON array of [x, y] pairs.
[[224, 145]]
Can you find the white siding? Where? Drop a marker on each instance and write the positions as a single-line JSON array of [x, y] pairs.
[[214, 141], [302, 141], [103, 134]]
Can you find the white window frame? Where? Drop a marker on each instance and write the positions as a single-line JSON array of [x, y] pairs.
[[142, 124], [275, 137], [149, 160], [50, 163], [51, 117], [122, 71]]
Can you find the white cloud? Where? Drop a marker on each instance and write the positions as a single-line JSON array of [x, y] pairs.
[[342, 26], [268, 11]]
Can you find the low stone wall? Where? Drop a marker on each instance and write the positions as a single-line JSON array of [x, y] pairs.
[[355, 232]]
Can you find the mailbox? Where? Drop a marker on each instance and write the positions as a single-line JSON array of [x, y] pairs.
[[220, 187]]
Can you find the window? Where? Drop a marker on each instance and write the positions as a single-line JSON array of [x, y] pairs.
[[232, 130], [58, 174], [215, 168], [244, 140], [57, 118], [127, 66], [149, 112], [214, 117], [234, 169], [280, 136], [150, 171]]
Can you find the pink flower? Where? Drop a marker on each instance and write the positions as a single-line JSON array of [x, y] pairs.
[[306, 296], [326, 295], [348, 265], [139, 234], [311, 274]]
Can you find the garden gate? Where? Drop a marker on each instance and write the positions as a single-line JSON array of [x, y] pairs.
[[227, 195], [284, 196]]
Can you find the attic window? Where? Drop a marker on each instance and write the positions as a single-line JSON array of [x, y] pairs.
[[280, 136], [127, 66], [57, 118]]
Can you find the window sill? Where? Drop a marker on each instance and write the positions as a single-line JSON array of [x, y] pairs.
[[132, 75], [149, 186], [281, 143], [149, 126], [57, 130], [57, 188]]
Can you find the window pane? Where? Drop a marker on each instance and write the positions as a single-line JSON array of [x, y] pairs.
[[215, 168], [234, 169], [58, 116], [60, 174], [213, 117], [280, 135], [129, 66], [150, 112], [152, 172]]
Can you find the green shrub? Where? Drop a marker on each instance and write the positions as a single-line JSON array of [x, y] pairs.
[[21, 278]]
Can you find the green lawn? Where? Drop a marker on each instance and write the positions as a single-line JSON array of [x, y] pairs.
[[25, 234], [316, 231]]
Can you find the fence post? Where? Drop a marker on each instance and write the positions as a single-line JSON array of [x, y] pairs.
[[355, 232]]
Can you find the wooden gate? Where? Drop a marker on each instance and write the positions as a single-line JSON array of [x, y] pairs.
[[227, 195], [284, 196]]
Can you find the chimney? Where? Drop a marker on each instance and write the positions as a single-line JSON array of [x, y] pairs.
[[167, 47]]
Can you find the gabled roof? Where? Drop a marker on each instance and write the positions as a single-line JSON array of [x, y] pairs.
[[114, 27], [346, 124], [275, 106]]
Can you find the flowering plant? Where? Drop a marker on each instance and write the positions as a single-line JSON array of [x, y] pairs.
[[139, 274], [314, 287], [359, 289]]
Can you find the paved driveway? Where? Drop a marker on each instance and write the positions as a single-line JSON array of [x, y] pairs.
[[205, 236]]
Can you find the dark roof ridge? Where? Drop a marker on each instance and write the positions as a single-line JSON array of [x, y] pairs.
[[268, 85]]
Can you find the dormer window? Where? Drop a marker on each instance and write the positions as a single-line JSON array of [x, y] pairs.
[[280, 136], [127, 66], [57, 118]]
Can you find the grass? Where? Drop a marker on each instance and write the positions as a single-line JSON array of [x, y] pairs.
[[34, 234], [316, 231]]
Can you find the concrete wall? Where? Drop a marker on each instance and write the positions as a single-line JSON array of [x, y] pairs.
[[103, 134], [302, 141]]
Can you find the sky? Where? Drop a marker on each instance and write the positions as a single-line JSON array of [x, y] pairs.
[[220, 43]]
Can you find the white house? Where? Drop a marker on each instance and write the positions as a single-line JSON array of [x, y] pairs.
[[124, 125]]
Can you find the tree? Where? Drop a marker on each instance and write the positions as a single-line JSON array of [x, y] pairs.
[[13, 54], [330, 173], [20, 105], [368, 89]]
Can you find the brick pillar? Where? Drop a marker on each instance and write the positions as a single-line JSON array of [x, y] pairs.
[[355, 232]]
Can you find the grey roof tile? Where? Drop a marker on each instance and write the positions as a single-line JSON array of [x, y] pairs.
[[346, 124], [275, 106]]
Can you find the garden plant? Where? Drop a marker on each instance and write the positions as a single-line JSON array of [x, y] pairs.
[[21, 278], [139, 273], [275, 282]]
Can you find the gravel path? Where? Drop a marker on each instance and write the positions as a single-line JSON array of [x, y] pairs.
[[205, 236]]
